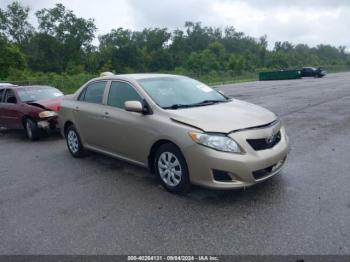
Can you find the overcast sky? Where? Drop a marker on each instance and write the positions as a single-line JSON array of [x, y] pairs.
[[298, 21]]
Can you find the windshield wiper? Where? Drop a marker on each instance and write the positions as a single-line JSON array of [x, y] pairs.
[[208, 102], [211, 101], [202, 103], [176, 106]]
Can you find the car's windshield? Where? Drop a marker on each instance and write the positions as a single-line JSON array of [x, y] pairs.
[[36, 94], [177, 92]]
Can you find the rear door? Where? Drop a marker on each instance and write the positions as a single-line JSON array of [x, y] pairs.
[[11, 117], [88, 112]]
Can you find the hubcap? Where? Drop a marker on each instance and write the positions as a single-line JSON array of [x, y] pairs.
[[169, 169], [73, 141], [29, 129]]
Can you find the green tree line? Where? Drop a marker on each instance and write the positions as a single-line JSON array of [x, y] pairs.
[[62, 44]]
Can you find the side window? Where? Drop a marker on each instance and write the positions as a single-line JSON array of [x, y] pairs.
[[10, 97], [1, 94], [120, 92], [93, 93]]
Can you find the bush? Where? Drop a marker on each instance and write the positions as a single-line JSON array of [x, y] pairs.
[[65, 82]]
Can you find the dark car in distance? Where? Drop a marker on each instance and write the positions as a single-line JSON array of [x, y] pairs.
[[32, 108], [312, 72]]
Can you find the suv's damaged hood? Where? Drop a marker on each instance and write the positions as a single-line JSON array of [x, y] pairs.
[[224, 117]]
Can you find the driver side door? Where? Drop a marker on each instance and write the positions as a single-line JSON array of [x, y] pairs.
[[126, 134]]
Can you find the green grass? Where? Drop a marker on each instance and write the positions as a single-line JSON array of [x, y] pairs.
[[336, 68], [68, 84]]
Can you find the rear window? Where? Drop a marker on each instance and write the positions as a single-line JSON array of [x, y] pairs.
[[93, 93]]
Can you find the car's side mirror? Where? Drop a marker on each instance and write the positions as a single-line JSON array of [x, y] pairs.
[[133, 106]]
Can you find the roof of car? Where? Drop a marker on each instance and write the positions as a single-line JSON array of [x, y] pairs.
[[6, 84], [25, 87], [138, 76]]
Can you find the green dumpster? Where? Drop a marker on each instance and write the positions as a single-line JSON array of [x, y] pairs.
[[280, 75]]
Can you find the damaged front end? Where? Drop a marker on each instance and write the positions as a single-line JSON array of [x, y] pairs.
[[47, 120]]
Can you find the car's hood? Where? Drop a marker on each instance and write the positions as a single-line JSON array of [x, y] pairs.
[[224, 117], [50, 104]]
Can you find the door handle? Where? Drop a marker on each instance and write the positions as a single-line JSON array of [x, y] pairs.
[[76, 109]]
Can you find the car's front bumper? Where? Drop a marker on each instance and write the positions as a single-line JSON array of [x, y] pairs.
[[48, 125], [245, 169]]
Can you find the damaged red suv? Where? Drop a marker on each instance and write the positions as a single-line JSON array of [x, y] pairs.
[[32, 108]]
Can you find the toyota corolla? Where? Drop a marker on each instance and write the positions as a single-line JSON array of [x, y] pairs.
[[182, 130]]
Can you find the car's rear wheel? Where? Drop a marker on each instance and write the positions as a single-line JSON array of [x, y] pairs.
[[74, 144], [171, 169], [32, 129]]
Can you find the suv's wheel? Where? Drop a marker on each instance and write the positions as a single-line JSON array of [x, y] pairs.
[[74, 144], [171, 168], [32, 130]]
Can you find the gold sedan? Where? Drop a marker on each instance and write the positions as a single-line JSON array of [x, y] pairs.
[[181, 129]]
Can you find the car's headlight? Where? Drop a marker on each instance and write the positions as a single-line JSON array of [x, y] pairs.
[[47, 114], [216, 141]]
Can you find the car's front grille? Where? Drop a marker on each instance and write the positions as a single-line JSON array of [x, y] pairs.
[[265, 143]]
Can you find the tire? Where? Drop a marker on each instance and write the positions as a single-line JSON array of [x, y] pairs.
[[74, 144], [32, 129], [171, 169]]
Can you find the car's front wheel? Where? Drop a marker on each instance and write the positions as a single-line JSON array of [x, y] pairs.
[[74, 144], [32, 129], [171, 168]]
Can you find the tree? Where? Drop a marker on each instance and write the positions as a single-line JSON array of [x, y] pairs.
[[120, 49], [73, 33], [14, 23], [211, 59], [178, 48], [10, 57], [262, 50], [2, 23], [66, 26], [160, 60], [44, 53], [154, 39], [197, 38], [63, 43]]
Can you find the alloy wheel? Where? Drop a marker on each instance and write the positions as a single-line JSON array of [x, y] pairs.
[[73, 141], [169, 169]]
